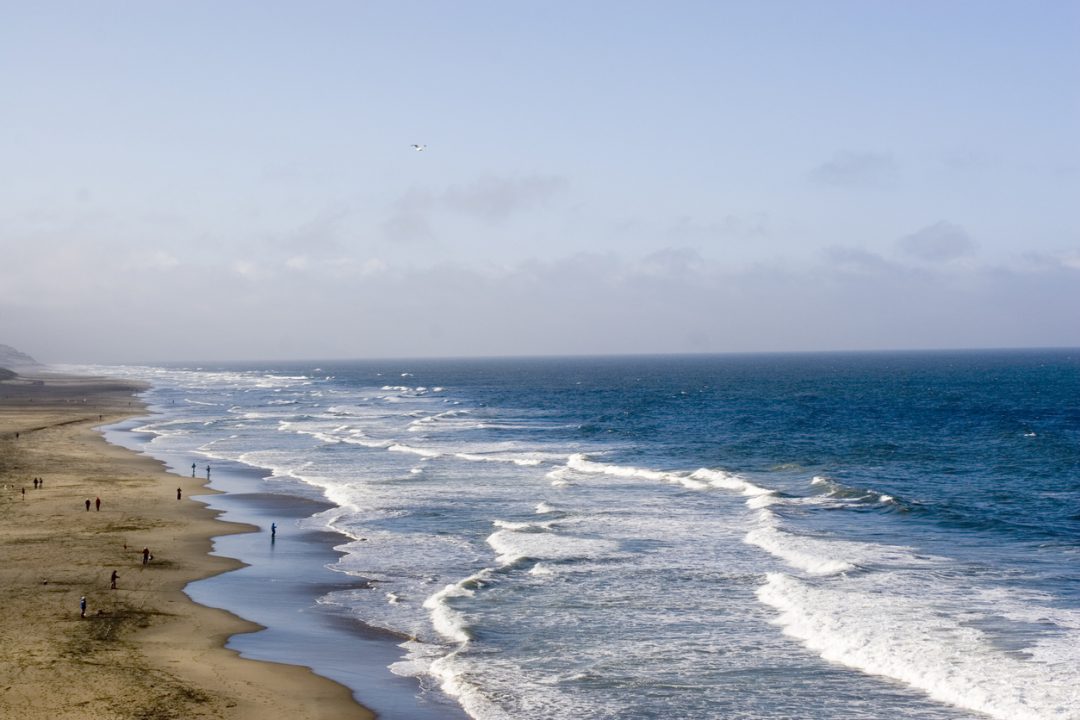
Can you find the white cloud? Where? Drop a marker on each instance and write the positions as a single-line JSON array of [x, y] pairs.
[[677, 262], [410, 218], [1071, 260], [373, 266], [494, 198], [247, 269], [856, 260], [58, 300], [491, 200], [940, 242], [850, 169]]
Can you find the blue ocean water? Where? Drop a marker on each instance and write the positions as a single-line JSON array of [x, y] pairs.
[[763, 536]]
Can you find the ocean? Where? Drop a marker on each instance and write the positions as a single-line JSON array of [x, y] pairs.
[[874, 535]]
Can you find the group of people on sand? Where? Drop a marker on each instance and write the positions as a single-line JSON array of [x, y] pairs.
[[38, 483], [146, 554]]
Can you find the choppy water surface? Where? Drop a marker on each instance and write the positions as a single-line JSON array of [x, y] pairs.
[[812, 536]]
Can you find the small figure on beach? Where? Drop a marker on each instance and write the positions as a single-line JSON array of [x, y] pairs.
[[146, 556], [82, 606], [178, 493], [87, 504], [35, 483], [97, 504], [112, 580], [192, 469], [207, 472], [273, 530]]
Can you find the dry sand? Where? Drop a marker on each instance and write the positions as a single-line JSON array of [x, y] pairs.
[[143, 650]]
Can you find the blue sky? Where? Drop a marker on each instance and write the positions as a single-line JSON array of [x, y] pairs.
[[207, 180]]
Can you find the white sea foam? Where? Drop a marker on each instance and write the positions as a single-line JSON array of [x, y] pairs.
[[367, 442], [516, 460], [558, 477], [454, 679], [257, 415], [878, 629], [729, 481], [814, 556], [543, 508], [404, 390], [448, 420], [762, 501], [165, 427], [840, 491], [690, 482], [582, 464], [523, 526], [423, 452], [447, 621], [513, 546], [824, 555], [700, 479]]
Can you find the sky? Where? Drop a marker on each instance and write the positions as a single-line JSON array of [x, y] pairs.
[[235, 180]]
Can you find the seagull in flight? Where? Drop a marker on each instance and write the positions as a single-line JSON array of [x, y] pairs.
[[418, 148]]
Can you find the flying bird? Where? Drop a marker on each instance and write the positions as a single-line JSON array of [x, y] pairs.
[[418, 148]]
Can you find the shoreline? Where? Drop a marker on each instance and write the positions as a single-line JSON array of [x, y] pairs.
[[145, 649], [280, 582], [280, 588]]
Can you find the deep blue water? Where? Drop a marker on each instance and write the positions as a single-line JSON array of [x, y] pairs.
[[813, 536]]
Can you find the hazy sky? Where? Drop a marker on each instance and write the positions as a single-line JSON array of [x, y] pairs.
[[234, 180]]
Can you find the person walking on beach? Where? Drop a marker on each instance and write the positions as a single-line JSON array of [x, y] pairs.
[[146, 556], [112, 580], [178, 493], [82, 606], [87, 504], [207, 472], [192, 469], [273, 530], [97, 504]]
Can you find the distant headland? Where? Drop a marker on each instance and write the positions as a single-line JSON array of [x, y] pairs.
[[13, 360]]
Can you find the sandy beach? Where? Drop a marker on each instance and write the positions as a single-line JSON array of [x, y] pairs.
[[144, 649]]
